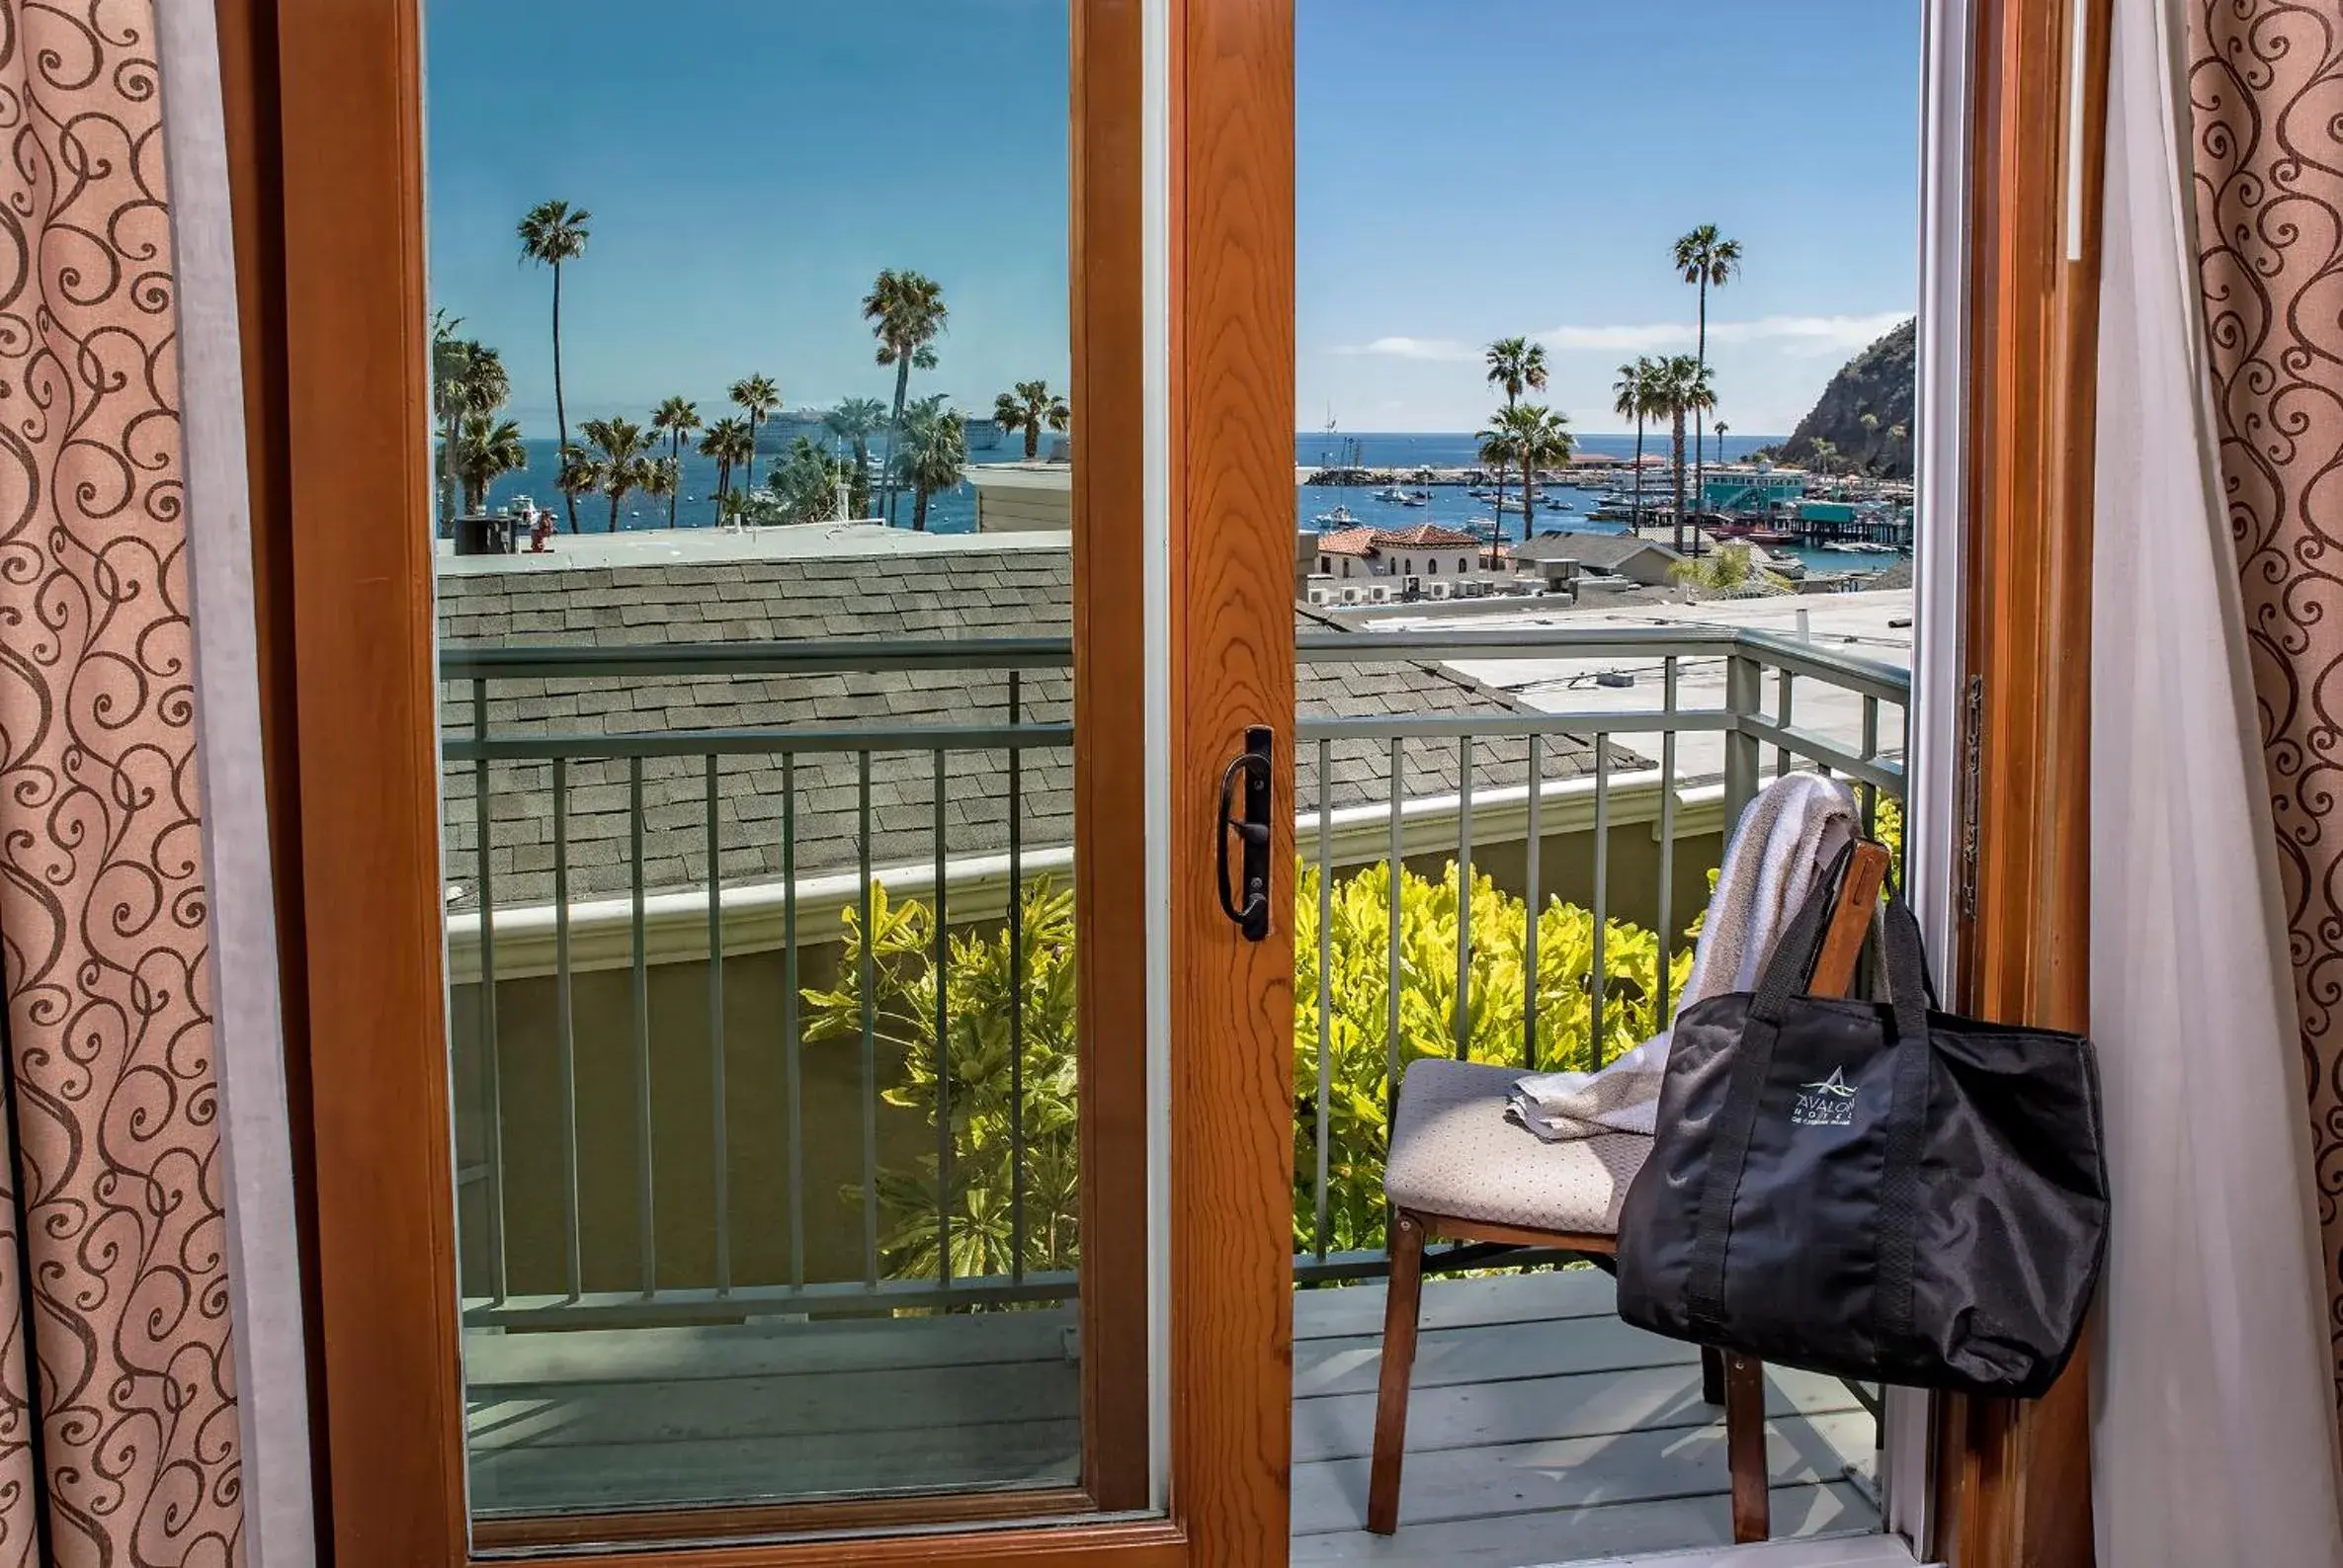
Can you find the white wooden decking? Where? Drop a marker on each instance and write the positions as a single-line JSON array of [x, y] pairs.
[[1543, 1430]]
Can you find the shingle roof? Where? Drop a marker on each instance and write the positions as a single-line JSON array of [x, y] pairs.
[[1603, 551], [967, 594]]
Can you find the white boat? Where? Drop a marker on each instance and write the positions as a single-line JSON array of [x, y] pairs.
[[1339, 517], [1391, 493], [1415, 500]]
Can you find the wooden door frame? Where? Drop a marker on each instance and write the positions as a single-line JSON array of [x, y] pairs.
[[323, 103], [2013, 1488]]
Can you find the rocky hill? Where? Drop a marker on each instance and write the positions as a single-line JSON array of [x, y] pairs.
[[1863, 422]]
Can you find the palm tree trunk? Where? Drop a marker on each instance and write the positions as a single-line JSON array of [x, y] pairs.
[[1639, 525], [895, 429], [1033, 441], [919, 510], [675, 455], [1701, 353], [859, 492], [1679, 471], [750, 483], [450, 486], [1528, 494], [570, 502], [613, 511]]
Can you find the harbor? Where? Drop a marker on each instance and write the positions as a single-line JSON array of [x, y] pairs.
[[1833, 523]]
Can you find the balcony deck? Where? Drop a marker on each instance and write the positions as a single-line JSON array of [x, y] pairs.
[[1542, 1429]]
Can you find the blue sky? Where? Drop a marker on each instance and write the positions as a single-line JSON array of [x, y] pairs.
[[1467, 169]]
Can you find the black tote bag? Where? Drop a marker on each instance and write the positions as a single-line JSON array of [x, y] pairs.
[[1879, 1191]]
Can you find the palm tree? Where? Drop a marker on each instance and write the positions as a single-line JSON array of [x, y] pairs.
[[448, 356], [553, 232], [1541, 439], [1705, 257], [1682, 387], [726, 440], [1031, 408], [675, 418], [906, 312], [855, 421], [624, 462], [580, 473], [1722, 428], [1633, 400], [757, 397], [805, 482], [467, 377], [934, 451], [485, 449], [663, 476], [1500, 448], [1517, 366]]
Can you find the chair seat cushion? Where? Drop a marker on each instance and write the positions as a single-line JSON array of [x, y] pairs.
[[1454, 1153]]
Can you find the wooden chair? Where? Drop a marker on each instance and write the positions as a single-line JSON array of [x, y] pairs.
[[1457, 1170]]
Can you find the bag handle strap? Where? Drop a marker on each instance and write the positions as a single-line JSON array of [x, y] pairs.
[[1785, 974], [1907, 1125]]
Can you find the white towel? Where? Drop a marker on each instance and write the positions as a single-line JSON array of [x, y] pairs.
[[1786, 839]]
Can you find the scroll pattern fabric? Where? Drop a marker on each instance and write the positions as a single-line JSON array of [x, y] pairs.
[[2266, 88], [118, 1434]]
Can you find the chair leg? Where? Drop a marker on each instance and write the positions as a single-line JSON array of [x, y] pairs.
[[1712, 1375], [1400, 1303], [1744, 1447]]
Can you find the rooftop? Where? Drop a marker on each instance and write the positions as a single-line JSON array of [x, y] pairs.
[[965, 586], [648, 548], [1600, 550]]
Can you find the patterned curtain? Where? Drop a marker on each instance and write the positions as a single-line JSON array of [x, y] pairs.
[[117, 1405], [2265, 82]]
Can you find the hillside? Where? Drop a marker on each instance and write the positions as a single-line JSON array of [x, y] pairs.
[[1865, 414]]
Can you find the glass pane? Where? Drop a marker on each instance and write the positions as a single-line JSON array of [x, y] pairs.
[[1527, 417], [752, 426]]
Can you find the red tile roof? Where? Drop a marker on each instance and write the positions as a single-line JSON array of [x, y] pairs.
[[1423, 535], [1360, 541]]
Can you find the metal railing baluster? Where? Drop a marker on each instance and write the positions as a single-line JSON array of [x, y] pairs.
[[1392, 884], [647, 1234], [1530, 904], [943, 979], [1742, 682], [1016, 992], [491, 1059], [1326, 977], [792, 1073], [867, 973], [1601, 978], [1868, 794], [565, 1040], [1463, 896], [720, 1152], [1784, 701], [1667, 847]]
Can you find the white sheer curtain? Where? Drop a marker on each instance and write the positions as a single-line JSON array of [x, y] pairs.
[[2213, 1436]]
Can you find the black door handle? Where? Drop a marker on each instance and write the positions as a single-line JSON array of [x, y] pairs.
[[1251, 910]]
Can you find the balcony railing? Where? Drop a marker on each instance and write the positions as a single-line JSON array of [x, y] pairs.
[[1619, 765]]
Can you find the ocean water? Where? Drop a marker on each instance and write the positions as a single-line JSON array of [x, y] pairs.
[[955, 511]]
